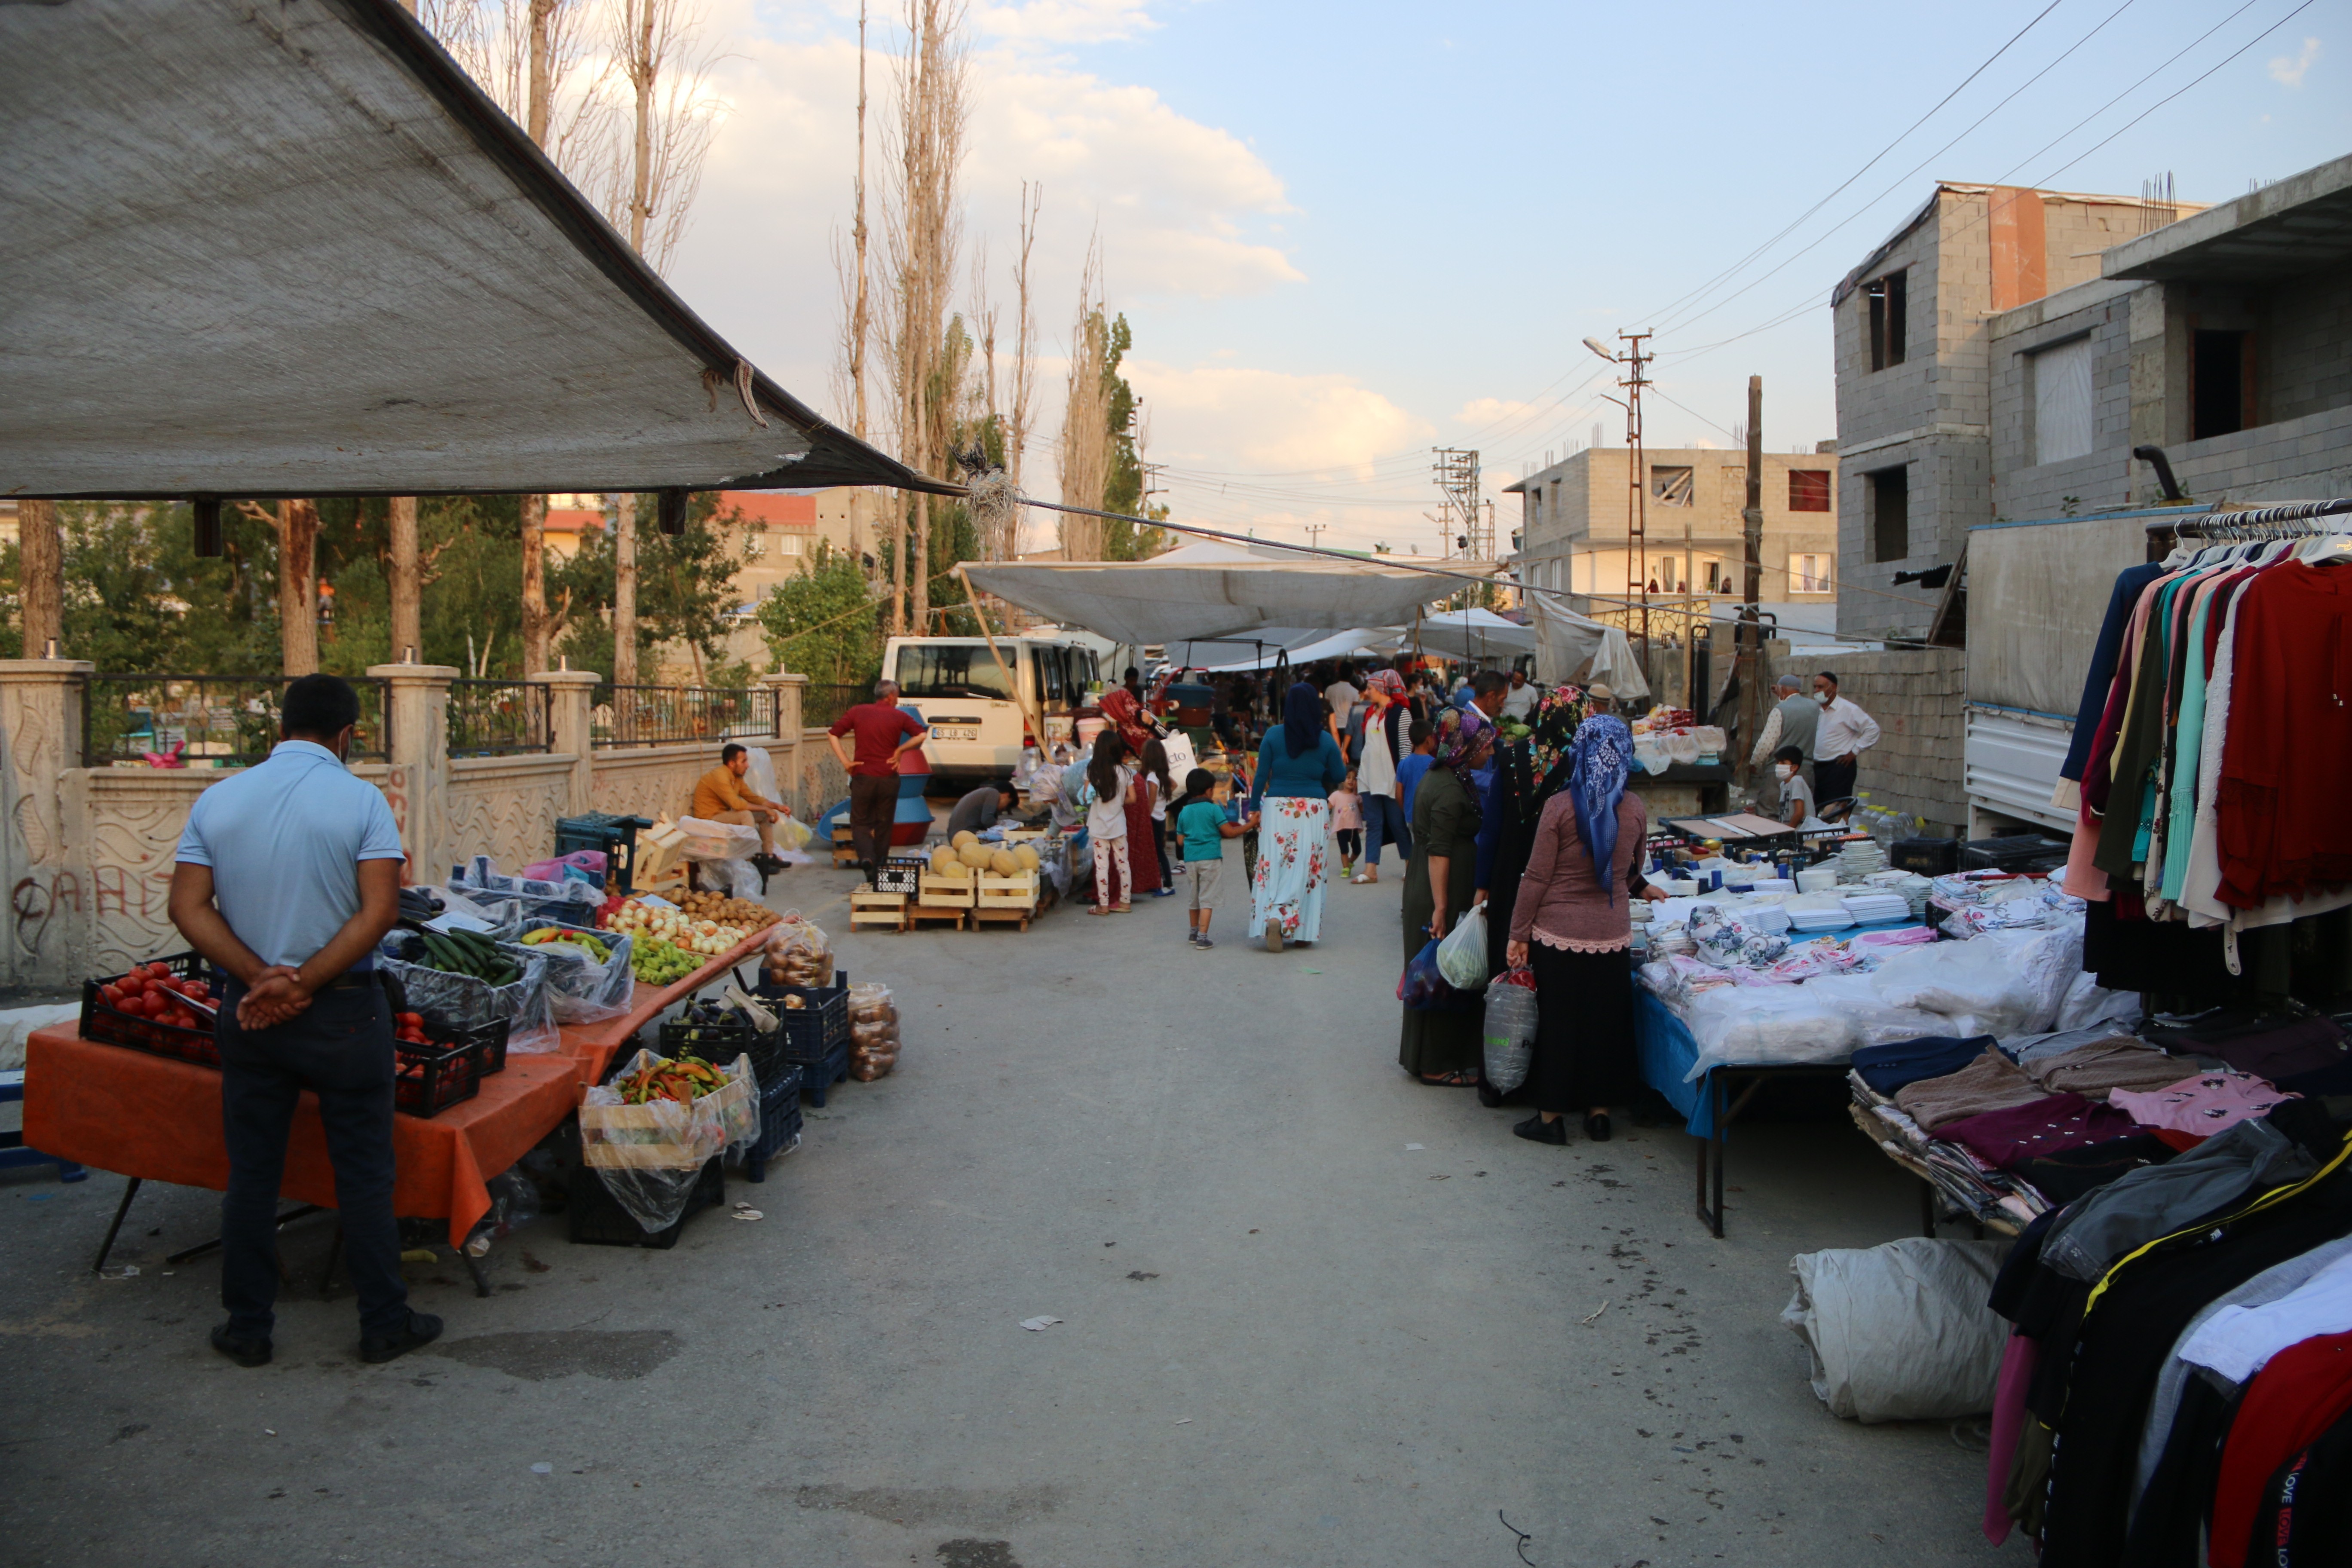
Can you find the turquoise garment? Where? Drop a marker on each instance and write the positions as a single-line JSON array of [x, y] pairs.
[[1200, 824], [1314, 774], [2187, 754]]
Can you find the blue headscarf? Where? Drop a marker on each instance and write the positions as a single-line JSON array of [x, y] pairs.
[[1600, 757], [1302, 718]]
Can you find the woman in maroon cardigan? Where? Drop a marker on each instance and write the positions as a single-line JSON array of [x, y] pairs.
[[1572, 918]]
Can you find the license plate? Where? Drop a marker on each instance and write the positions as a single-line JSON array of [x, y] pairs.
[[956, 731]]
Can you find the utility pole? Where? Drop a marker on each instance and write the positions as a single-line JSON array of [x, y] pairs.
[[1460, 515], [1751, 592], [1637, 503], [1315, 534]]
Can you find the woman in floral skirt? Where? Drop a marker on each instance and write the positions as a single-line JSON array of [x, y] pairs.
[[1298, 769]]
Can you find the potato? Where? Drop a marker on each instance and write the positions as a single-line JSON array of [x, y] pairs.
[[1004, 864]]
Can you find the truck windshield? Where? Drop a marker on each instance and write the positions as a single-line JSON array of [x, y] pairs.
[[952, 670]]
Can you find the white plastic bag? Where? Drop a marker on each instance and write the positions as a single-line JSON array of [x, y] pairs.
[[708, 840], [1510, 1030], [1903, 1332], [465, 1002], [581, 990], [650, 1156], [1462, 956], [734, 878]]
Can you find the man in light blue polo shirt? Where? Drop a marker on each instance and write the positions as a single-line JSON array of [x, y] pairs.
[[288, 876]]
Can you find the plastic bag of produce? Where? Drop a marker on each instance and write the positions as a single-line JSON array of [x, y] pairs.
[[588, 975], [467, 1001], [792, 834], [1510, 1029], [736, 879], [798, 952], [873, 1032], [1900, 1332], [1462, 956], [649, 1131], [1424, 989]]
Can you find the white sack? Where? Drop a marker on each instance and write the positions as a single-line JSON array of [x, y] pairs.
[[1900, 1332], [1766, 1024], [2088, 1002]]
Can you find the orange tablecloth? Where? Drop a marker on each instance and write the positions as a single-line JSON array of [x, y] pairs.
[[126, 1112]]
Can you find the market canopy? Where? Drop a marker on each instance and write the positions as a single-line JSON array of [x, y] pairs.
[[1214, 589], [1568, 646], [1473, 633], [295, 250], [1300, 647]]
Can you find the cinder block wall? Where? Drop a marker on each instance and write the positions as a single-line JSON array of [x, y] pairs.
[[1919, 696]]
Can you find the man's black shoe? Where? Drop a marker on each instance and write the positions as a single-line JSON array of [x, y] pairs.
[[422, 1329], [245, 1352]]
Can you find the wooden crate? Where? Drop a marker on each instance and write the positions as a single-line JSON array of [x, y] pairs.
[[1010, 899], [937, 892], [845, 850], [878, 912], [921, 915]]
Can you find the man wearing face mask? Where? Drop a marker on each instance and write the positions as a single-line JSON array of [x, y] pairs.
[[1843, 734]]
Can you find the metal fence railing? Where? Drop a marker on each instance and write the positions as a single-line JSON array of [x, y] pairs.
[[499, 719], [821, 705], [206, 721], [664, 715]]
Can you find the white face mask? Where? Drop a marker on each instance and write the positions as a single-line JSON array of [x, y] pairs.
[[1784, 770], [1824, 698]]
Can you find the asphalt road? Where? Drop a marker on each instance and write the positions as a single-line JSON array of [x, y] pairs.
[[1310, 1313]]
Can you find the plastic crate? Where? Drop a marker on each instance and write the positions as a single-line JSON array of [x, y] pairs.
[[429, 1080], [780, 1122], [818, 1076], [490, 1037], [897, 875], [2020, 852], [1928, 857], [719, 1044], [615, 835], [594, 1217], [111, 1027], [817, 1027]]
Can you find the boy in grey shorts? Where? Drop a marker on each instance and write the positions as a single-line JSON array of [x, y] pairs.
[[1201, 822]]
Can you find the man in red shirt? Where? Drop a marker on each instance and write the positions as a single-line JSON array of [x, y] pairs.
[[884, 729]]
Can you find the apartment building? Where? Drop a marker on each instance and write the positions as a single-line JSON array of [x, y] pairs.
[[1914, 361], [1573, 530], [774, 534]]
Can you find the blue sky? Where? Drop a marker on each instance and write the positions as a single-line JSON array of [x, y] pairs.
[[1346, 233]]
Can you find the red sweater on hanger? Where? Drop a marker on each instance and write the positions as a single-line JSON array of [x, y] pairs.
[[2299, 1395], [2282, 825]]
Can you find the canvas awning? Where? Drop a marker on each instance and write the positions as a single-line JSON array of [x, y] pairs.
[[1301, 648], [293, 249], [1212, 589], [1569, 645], [1473, 633]]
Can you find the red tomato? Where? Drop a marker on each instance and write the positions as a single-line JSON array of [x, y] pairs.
[[157, 971], [112, 994], [136, 1006]]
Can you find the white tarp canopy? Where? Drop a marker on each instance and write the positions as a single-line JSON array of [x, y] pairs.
[[293, 249], [1300, 647], [1567, 643], [1212, 589], [1469, 634]]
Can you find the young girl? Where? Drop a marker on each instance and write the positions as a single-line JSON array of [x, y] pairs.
[[1205, 827], [1112, 787], [1348, 821], [1155, 779]]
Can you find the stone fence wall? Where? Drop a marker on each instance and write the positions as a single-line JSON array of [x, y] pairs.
[[87, 853], [1919, 696]]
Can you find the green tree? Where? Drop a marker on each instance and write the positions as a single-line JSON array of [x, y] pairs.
[[1123, 488], [686, 585], [825, 623]]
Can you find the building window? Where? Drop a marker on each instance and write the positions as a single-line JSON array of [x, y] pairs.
[[1534, 507], [1809, 489], [1717, 580], [2060, 383], [1887, 301], [1812, 574], [1671, 486], [1889, 519], [2217, 383], [788, 544]]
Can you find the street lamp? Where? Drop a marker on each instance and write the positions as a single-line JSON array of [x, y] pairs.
[[1598, 347]]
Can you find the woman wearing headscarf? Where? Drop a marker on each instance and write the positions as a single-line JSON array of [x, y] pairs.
[[1445, 1047], [1125, 713], [1379, 746], [1526, 773], [1572, 923], [1298, 768]]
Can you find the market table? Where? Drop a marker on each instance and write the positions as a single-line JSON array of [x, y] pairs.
[[153, 1119]]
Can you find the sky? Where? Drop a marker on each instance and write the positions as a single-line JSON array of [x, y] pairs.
[[1346, 233]]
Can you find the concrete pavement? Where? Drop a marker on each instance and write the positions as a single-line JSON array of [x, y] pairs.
[[1287, 1336]]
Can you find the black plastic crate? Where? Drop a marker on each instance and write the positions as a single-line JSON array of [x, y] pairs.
[[615, 835], [897, 875], [818, 1076], [2020, 852], [780, 1122], [815, 1029], [594, 1217], [490, 1037], [110, 1025], [1928, 857], [719, 1044], [429, 1080]]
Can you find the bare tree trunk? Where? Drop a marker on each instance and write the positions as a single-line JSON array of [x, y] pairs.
[[534, 584], [541, 82], [298, 587], [642, 69], [625, 591], [407, 583], [41, 560], [860, 331], [1024, 354], [922, 612]]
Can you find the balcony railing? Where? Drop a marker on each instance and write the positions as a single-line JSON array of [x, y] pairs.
[[667, 715], [821, 705], [499, 719], [206, 721]]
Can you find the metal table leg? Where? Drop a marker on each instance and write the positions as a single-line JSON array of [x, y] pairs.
[[129, 1190], [201, 1248]]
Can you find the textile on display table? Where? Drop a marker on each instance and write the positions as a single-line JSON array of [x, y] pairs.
[[2203, 1105]]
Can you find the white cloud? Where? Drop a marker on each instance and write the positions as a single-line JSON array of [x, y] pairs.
[[1220, 415], [2289, 70], [1066, 21], [1490, 410]]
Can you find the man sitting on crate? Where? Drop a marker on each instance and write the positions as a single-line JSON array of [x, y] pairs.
[[288, 876], [720, 795]]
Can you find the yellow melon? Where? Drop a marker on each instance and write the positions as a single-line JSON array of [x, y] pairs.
[[1004, 864], [1025, 858]]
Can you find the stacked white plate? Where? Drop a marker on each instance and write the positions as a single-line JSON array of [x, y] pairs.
[[1817, 879], [1859, 859], [1817, 912], [1868, 908], [1774, 885], [1770, 919]]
